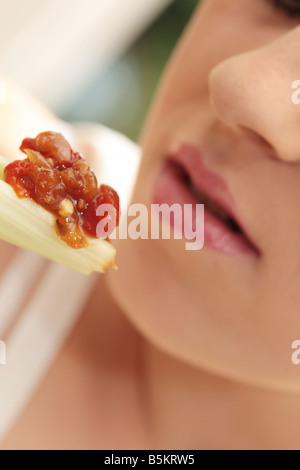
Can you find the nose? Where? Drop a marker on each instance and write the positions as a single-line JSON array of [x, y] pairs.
[[254, 92]]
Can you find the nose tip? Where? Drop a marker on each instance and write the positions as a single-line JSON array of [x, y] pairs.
[[251, 93]]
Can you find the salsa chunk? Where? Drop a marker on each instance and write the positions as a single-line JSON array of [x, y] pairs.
[[61, 181]]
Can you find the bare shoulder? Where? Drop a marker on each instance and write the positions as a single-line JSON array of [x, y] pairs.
[[91, 398]]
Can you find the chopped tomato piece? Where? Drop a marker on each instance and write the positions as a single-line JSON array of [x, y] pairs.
[[61, 181]]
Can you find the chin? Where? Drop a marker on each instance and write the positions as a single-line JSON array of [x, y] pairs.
[[194, 313]]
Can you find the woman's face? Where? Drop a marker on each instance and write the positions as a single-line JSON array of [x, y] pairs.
[[225, 120]]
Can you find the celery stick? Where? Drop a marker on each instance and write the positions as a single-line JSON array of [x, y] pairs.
[[28, 225]]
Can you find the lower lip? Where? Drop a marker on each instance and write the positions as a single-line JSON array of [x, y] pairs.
[[170, 188]]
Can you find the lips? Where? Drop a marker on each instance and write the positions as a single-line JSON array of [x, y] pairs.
[[184, 179]]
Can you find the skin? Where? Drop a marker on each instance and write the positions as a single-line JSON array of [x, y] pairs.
[[232, 99], [207, 358]]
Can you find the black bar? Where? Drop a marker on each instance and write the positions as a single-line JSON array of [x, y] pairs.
[[139, 459]]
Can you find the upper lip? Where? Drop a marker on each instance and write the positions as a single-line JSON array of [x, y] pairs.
[[190, 159]]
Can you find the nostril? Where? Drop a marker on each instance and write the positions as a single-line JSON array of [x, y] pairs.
[[259, 140]]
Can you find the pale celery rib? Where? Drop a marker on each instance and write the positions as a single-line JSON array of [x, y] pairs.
[[26, 224]]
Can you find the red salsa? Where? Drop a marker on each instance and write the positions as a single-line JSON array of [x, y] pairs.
[[61, 181]]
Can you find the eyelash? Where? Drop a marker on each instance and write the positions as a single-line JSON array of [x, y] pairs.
[[290, 7]]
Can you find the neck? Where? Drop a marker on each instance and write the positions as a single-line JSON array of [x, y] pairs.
[[191, 409]]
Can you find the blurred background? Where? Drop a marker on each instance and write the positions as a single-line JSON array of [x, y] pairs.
[[91, 60]]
